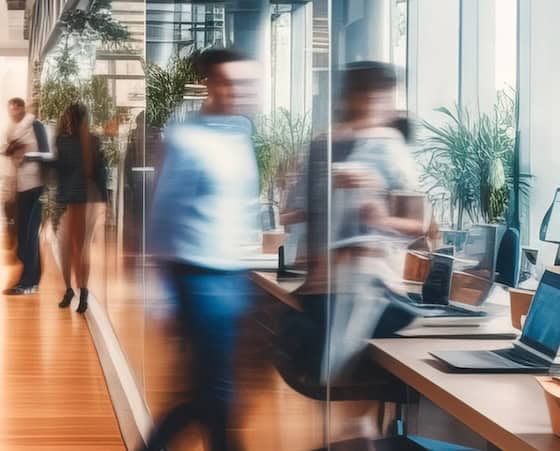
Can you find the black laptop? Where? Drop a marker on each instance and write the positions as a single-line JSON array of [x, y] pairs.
[[536, 351]]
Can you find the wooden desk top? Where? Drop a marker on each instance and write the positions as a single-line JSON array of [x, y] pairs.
[[507, 410], [280, 290]]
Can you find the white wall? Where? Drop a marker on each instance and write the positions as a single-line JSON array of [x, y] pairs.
[[13, 82], [540, 109], [433, 57]]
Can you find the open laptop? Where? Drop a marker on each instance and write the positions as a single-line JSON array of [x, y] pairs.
[[536, 351], [477, 260], [434, 301]]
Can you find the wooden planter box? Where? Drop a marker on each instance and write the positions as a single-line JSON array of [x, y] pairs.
[[271, 241], [520, 302]]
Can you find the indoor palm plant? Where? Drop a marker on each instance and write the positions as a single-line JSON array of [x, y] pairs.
[[472, 161], [280, 142], [166, 87]]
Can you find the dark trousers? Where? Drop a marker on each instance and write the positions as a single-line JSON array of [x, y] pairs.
[[211, 304], [28, 223]]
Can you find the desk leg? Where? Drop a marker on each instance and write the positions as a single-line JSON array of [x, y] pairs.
[[408, 415]]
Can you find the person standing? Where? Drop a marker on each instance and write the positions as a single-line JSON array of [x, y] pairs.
[[24, 135], [82, 188], [205, 209]]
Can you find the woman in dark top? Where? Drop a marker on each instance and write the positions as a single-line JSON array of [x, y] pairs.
[[81, 185]]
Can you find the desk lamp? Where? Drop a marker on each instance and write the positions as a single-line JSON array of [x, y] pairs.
[[550, 227]]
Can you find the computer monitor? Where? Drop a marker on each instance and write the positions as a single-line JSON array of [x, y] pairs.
[[550, 227]]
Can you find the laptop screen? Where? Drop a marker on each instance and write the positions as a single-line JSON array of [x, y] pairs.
[[480, 249], [541, 330], [436, 287]]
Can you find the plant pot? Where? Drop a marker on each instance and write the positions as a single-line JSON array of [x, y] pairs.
[[520, 302], [416, 266], [271, 241], [551, 389]]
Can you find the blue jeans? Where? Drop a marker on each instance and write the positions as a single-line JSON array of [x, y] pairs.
[[211, 304], [28, 223]]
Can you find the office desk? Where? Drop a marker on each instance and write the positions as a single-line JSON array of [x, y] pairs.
[[508, 411], [280, 290], [283, 291]]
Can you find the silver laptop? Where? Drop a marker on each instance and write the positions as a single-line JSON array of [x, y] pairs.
[[536, 351]]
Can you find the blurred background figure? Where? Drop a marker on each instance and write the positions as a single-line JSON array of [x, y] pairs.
[[205, 209], [26, 134], [371, 164], [81, 192]]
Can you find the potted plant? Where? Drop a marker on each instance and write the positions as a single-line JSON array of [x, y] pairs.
[[280, 141], [166, 88], [94, 24], [472, 162]]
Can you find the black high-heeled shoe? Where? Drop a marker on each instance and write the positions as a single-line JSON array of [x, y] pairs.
[[68, 296], [82, 307]]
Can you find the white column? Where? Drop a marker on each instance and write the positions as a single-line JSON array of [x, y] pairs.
[[378, 30], [302, 59], [478, 71], [524, 106], [365, 30], [433, 57], [263, 34]]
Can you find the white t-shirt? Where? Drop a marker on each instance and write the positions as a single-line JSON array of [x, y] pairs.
[[28, 173]]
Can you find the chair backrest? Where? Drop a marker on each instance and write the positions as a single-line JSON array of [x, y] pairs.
[[507, 261]]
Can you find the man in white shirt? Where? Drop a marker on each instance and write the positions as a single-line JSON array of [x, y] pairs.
[[205, 210], [26, 134]]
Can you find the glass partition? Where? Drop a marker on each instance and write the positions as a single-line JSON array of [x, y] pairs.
[[371, 117], [95, 58], [290, 42]]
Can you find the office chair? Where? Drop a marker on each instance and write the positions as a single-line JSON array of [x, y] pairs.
[[507, 260], [297, 356]]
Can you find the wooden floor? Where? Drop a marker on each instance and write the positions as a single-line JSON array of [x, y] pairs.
[[53, 395]]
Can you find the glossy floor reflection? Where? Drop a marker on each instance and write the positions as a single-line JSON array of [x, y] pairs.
[[53, 394]]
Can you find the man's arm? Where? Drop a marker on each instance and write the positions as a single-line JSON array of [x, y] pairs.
[[41, 136]]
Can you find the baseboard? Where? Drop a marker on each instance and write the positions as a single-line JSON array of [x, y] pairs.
[[134, 418]]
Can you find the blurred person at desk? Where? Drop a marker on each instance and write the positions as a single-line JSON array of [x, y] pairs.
[[370, 163], [205, 208], [25, 135]]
